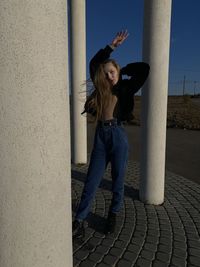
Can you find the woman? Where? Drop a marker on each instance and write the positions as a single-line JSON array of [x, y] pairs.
[[111, 103]]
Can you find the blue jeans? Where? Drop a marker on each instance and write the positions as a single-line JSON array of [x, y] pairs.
[[110, 145]]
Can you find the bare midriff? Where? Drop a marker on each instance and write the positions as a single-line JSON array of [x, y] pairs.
[[109, 109]]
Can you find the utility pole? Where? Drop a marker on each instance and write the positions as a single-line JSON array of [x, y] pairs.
[[184, 85], [195, 87]]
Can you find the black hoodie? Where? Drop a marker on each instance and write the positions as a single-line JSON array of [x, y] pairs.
[[125, 88]]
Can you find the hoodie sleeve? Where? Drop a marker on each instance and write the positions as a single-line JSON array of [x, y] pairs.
[[138, 72], [100, 57]]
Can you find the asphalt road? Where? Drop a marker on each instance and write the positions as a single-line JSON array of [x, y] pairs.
[[182, 150]]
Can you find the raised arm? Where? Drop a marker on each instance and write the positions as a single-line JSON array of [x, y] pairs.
[[104, 54], [99, 58]]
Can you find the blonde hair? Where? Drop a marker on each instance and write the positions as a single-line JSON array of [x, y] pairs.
[[100, 97]]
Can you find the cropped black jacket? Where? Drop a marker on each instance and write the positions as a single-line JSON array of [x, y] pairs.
[[125, 88]]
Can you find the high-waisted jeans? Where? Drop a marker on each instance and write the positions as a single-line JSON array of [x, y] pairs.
[[110, 145]]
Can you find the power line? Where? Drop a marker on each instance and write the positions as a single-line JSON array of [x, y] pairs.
[[183, 70], [186, 85], [186, 81]]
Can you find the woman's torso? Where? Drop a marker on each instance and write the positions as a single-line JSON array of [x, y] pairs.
[[108, 110]]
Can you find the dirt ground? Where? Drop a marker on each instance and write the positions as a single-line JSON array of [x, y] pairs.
[[182, 112], [182, 149]]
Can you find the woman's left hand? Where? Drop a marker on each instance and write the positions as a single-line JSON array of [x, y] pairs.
[[119, 38]]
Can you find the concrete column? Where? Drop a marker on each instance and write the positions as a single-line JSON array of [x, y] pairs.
[[35, 186], [156, 42], [78, 79]]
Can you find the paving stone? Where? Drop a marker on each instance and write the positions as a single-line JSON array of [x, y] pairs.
[[194, 260], [102, 249], [153, 226], [153, 223], [101, 264], [120, 244], [116, 251], [180, 238], [96, 257], [166, 240], [89, 231], [124, 263], [196, 218], [178, 252], [88, 247], [140, 234], [150, 246], [149, 207], [137, 240], [87, 263], [94, 241], [76, 246], [197, 225], [157, 263], [166, 227], [149, 255], [178, 244], [98, 235], [134, 248], [194, 237], [110, 259], [76, 262], [193, 244], [152, 239], [124, 237], [187, 223], [107, 242], [165, 233], [163, 256], [159, 209], [140, 228], [143, 262], [179, 231], [130, 256], [141, 216], [81, 254], [128, 225], [164, 248], [164, 221], [153, 232], [125, 231], [191, 231], [174, 218], [194, 252], [178, 261]]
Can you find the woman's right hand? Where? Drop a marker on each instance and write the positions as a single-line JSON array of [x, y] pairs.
[[119, 38]]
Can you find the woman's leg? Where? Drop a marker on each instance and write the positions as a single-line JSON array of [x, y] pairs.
[[119, 159], [95, 173]]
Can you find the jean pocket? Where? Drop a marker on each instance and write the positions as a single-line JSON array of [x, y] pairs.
[[123, 135]]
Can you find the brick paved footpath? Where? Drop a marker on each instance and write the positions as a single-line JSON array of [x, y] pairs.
[[146, 235]]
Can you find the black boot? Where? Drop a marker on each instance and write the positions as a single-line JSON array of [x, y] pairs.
[[78, 229], [110, 224]]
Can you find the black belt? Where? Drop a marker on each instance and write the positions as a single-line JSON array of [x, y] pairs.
[[109, 122]]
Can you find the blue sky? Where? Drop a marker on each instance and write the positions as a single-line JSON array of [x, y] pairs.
[[104, 18]]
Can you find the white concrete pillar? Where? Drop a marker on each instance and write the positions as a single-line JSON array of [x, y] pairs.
[[78, 81], [156, 42], [35, 186]]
